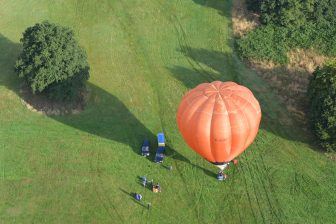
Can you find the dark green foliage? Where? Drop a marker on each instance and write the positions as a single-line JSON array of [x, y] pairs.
[[294, 13], [322, 95], [266, 43], [273, 42], [285, 12], [291, 24], [254, 5], [52, 62]]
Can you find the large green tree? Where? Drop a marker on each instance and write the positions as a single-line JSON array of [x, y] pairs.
[[52, 62], [322, 95]]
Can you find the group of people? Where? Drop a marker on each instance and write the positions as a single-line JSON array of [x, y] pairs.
[[156, 188]]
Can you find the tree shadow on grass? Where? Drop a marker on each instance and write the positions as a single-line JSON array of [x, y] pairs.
[[206, 66], [276, 118], [105, 115], [9, 52], [214, 4]]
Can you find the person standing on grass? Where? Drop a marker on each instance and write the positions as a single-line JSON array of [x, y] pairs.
[[144, 182]]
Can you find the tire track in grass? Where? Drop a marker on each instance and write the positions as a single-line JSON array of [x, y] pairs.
[[260, 173], [255, 172], [110, 202], [185, 183], [210, 77], [234, 174], [275, 209], [141, 55], [255, 187], [229, 191], [196, 204], [102, 194], [98, 188], [183, 42], [248, 194], [256, 193], [279, 211], [182, 38]]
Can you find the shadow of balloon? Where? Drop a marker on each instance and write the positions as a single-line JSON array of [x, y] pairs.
[[177, 156], [205, 65], [9, 53], [218, 5]]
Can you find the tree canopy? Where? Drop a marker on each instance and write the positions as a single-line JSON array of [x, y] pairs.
[[288, 24], [52, 62], [322, 95]]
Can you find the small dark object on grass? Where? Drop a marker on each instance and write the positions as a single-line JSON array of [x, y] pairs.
[[221, 176], [149, 205], [137, 196], [156, 188], [143, 180], [170, 168], [145, 148]]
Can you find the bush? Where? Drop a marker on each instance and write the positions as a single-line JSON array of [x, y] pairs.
[[52, 62], [294, 13], [265, 43], [254, 5], [290, 24], [273, 42], [284, 12], [322, 96]]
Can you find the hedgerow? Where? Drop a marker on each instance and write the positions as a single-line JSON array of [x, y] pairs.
[[290, 24]]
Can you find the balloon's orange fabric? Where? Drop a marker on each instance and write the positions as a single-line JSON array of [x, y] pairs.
[[219, 120]]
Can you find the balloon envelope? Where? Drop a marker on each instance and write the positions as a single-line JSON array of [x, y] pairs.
[[219, 120]]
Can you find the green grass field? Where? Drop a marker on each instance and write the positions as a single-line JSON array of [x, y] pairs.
[[144, 55]]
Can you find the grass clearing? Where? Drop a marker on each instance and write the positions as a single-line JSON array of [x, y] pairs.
[[144, 56]]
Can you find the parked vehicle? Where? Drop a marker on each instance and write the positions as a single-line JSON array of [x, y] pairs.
[[145, 148]]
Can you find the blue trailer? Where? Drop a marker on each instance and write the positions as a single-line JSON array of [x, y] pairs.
[[161, 139]]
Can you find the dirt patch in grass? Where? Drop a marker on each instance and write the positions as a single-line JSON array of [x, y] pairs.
[[43, 105], [243, 21], [331, 156], [291, 81], [14, 211]]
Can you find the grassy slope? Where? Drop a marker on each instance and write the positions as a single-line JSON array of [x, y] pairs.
[[144, 56]]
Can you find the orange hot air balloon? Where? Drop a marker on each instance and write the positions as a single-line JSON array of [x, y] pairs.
[[219, 120]]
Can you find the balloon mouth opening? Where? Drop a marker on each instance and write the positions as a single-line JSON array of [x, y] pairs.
[[220, 165]]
